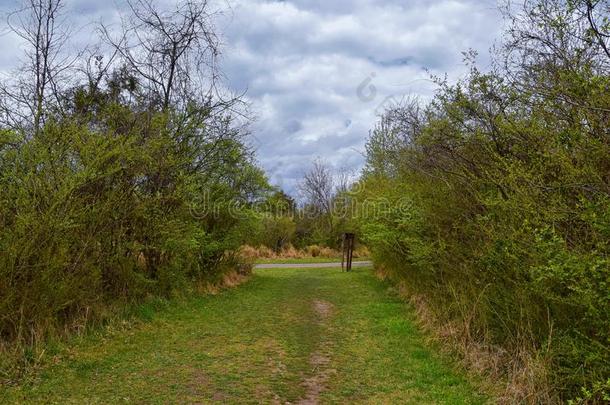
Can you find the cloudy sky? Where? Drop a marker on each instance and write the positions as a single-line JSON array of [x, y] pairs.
[[318, 72]]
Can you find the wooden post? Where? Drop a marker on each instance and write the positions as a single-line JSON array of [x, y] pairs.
[[348, 251], [343, 253]]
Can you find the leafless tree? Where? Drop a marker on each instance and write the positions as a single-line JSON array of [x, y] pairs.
[[317, 187], [597, 13], [325, 194], [35, 88], [95, 67], [398, 128], [546, 35], [326, 198], [343, 180], [173, 52]]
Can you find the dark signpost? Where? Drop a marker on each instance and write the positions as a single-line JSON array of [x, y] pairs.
[[348, 251]]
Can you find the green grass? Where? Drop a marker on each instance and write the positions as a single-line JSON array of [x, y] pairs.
[[306, 260], [253, 344]]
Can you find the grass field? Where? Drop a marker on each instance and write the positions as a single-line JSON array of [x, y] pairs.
[[288, 335]]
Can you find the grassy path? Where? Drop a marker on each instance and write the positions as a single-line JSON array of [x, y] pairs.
[[289, 335]]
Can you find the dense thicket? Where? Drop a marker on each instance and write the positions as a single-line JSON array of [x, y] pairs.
[[319, 219], [499, 197], [121, 182]]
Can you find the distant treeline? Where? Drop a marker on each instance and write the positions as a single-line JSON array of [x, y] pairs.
[[324, 211]]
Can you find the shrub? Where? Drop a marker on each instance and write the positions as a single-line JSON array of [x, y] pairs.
[[92, 219], [492, 202]]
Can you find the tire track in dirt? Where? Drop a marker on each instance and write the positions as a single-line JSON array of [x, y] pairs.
[[320, 359]]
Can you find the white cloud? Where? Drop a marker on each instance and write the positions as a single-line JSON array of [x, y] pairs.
[[302, 62]]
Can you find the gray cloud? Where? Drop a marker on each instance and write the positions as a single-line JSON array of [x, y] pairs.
[[302, 62]]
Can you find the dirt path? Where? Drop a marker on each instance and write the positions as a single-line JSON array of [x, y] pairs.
[[288, 336], [320, 359]]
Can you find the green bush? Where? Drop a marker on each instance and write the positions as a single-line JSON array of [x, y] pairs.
[[493, 201], [95, 217]]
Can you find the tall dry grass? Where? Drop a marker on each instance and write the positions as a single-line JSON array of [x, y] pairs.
[[515, 375], [290, 252]]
